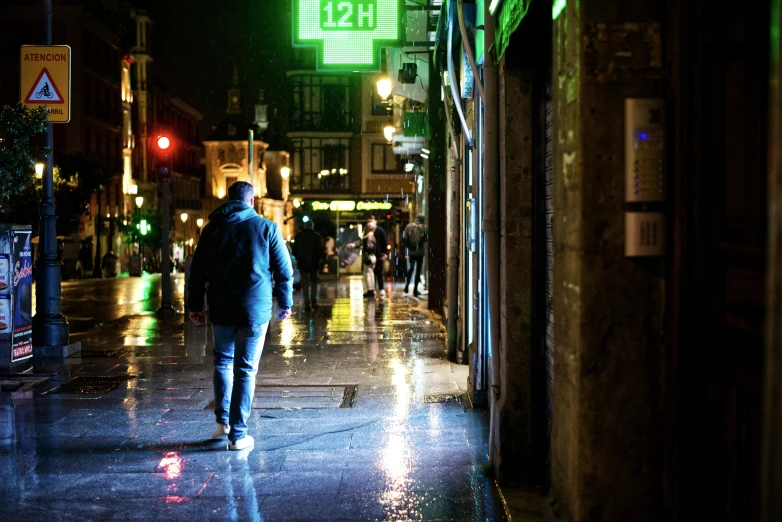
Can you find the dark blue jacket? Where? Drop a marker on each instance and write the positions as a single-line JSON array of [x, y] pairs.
[[239, 254]]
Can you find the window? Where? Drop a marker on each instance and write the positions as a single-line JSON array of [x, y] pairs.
[[379, 106], [320, 102], [384, 160], [321, 165]]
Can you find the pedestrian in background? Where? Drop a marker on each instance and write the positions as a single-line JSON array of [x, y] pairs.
[[240, 255], [381, 252], [308, 250], [415, 237], [369, 248]]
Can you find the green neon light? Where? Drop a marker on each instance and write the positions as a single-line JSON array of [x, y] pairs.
[[493, 6], [557, 8], [348, 34]]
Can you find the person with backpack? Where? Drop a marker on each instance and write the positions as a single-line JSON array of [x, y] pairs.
[[414, 237]]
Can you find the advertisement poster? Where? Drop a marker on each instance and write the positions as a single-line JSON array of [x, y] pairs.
[[5, 274], [22, 280]]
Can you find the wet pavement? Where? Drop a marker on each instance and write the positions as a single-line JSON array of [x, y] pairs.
[[358, 415]]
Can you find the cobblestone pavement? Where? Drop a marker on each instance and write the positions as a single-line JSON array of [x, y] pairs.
[[358, 415]]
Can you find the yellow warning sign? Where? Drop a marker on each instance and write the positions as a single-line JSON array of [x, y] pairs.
[[45, 79]]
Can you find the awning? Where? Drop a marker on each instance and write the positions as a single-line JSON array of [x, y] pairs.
[[511, 14]]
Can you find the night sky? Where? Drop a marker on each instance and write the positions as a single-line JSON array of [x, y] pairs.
[[197, 42]]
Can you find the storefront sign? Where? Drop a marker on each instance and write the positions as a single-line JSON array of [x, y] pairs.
[[348, 34], [350, 206]]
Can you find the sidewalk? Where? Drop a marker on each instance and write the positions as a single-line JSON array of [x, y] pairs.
[[357, 416]]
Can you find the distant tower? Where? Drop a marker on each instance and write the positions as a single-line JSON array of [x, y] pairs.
[[261, 119], [142, 58], [234, 95]]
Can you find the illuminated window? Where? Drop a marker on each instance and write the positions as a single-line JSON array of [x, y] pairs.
[[384, 161]]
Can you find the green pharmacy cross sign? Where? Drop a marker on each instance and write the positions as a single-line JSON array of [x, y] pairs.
[[348, 34]]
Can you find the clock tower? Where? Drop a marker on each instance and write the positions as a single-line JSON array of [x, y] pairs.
[[234, 95]]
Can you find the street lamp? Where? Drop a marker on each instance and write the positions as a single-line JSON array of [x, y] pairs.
[[285, 172], [183, 217], [139, 202], [39, 170], [384, 88], [388, 132], [199, 222]]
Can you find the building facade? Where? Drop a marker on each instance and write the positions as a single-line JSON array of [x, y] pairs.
[[613, 278], [343, 166], [229, 158]]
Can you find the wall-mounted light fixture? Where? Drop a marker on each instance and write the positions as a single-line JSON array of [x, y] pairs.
[[384, 88]]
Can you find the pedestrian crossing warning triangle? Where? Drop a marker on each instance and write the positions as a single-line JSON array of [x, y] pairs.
[[44, 90]]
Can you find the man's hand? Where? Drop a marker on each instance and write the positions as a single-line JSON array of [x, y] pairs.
[[283, 313], [198, 318]]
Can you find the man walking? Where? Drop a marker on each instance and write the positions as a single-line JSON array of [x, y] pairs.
[[381, 253], [240, 255], [414, 237], [308, 250]]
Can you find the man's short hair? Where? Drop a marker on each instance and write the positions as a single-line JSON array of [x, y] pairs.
[[240, 191]]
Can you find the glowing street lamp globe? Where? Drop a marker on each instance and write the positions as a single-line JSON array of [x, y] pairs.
[[388, 132], [285, 172], [163, 142], [183, 216], [384, 88], [39, 170], [200, 222], [139, 201]]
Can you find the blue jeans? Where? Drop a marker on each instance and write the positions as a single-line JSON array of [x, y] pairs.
[[237, 352]]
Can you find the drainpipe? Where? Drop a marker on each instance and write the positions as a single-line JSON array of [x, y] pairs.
[[457, 99], [491, 219], [468, 49]]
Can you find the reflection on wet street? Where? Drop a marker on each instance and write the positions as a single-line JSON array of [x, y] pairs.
[[358, 415]]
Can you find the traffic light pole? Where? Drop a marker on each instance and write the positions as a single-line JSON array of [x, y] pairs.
[[50, 328], [166, 309]]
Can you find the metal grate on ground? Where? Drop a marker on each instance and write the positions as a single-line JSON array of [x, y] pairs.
[[302, 397]]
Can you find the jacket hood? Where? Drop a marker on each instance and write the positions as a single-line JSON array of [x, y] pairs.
[[232, 212]]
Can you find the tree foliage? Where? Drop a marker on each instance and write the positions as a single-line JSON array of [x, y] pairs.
[[19, 126]]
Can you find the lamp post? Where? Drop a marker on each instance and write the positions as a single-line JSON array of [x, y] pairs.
[[183, 217], [139, 203], [200, 223], [50, 328]]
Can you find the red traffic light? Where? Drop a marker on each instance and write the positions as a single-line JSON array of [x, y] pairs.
[[163, 142]]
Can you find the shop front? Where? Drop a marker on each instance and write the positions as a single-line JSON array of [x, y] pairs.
[[341, 223]]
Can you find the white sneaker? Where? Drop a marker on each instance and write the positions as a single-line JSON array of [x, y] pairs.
[[246, 442], [383, 293], [221, 431]]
